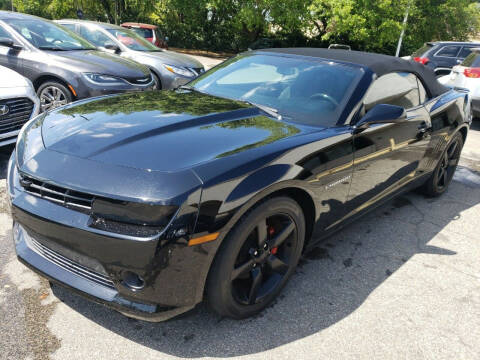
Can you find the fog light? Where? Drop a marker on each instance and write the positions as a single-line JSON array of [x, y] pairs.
[[133, 281]]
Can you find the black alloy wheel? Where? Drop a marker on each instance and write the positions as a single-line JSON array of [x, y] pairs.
[[441, 178], [264, 259], [447, 166], [257, 258]]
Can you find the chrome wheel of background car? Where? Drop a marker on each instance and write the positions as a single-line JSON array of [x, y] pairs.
[[52, 97], [264, 259], [157, 84], [448, 164]]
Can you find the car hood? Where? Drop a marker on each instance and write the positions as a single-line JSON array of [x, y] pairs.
[[11, 79], [95, 61], [161, 131], [170, 58]]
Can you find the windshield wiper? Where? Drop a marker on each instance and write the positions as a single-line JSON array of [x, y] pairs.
[[53, 48], [269, 110], [190, 88]]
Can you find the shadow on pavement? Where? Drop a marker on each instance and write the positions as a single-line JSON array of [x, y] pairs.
[[331, 282]]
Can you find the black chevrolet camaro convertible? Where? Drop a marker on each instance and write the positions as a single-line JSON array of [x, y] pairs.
[[150, 202]]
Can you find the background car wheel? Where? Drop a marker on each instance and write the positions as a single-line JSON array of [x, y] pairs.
[[157, 82], [52, 94], [438, 183], [257, 258]]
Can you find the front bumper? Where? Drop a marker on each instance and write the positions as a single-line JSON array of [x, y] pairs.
[[10, 137], [60, 244], [59, 270], [85, 89], [172, 81]]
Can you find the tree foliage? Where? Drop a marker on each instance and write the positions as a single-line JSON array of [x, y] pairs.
[[231, 25]]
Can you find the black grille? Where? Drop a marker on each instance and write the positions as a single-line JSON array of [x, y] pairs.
[[69, 265], [66, 197], [197, 71], [19, 112]]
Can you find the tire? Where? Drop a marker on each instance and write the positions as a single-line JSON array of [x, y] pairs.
[[243, 258], [441, 177], [157, 81], [53, 94]]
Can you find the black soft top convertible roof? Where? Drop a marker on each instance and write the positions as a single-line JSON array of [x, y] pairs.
[[380, 64]]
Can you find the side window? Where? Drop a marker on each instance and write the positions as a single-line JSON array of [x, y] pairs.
[[448, 51], [466, 50], [69, 27], [96, 37], [5, 34], [396, 88]]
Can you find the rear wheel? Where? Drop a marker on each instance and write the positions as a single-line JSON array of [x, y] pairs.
[[257, 258], [438, 182], [53, 94]]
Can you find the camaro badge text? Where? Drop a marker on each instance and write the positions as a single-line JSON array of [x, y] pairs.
[[335, 183]]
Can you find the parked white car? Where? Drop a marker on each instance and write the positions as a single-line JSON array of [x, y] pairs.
[[467, 76], [18, 104]]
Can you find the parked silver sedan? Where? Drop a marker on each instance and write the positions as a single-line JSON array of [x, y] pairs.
[[169, 69], [18, 103]]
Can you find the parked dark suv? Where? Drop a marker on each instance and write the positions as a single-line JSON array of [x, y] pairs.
[[441, 56], [62, 66]]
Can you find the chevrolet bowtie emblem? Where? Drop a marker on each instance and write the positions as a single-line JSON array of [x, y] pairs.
[[4, 110]]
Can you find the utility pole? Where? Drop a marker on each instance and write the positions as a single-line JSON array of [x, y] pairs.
[[404, 26], [116, 12]]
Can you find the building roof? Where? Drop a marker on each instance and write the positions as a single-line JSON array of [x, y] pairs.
[[380, 64]]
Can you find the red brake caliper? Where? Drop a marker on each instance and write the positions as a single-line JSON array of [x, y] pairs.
[[271, 232]]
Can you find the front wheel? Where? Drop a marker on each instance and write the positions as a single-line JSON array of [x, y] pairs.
[[257, 258], [52, 94], [157, 84]]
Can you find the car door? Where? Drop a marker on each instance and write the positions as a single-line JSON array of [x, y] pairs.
[[386, 156], [446, 57], [9, 57]]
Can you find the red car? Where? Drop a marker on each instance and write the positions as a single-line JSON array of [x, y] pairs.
[[150, 32]]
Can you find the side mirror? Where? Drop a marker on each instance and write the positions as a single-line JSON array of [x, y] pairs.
[[112, 46], [9, 43], [381, 114]]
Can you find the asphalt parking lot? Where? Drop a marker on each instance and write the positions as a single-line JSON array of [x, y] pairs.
[[402, 283]]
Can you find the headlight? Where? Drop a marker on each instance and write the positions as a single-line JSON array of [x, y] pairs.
[[100, 79], [179, 70], [30, 141]]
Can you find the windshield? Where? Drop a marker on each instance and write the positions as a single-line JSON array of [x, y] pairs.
[[472, 60], [312, 92], [132, 40], [146, 33], [49, 36]]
